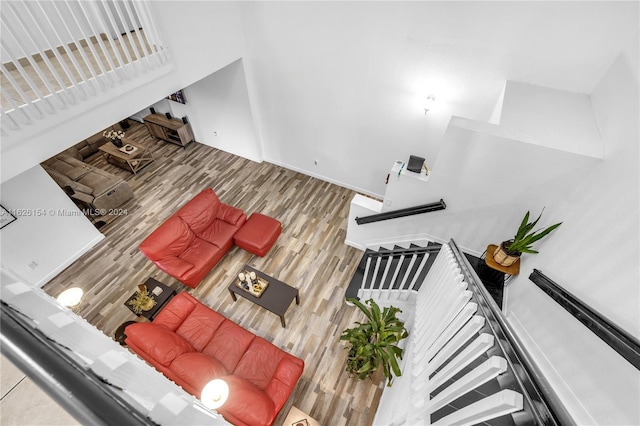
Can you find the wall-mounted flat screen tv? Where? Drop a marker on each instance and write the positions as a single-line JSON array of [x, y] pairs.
[[177, 97]]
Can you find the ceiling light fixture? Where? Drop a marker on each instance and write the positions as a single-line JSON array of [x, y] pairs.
[[428, 103]]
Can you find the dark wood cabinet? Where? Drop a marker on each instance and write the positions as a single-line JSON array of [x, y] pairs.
[[169, 129]]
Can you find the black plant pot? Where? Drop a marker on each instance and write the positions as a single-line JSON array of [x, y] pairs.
[[118, 143]]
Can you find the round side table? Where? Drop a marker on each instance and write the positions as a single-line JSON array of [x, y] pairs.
[[120, 335]]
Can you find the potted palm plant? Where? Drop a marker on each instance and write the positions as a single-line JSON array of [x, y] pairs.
[[508, 252], [373, 343]]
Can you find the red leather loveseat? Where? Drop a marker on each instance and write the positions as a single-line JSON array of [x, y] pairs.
[[193, 240], [192, 344]]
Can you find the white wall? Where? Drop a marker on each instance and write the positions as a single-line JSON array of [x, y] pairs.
[[220, 103], [338, 82], [489, 178], [552, 118], [49, 230], [595, 255]]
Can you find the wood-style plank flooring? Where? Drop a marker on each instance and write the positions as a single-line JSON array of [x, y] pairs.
[[310, 255]]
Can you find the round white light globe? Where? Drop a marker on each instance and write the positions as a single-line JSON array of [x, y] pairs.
[[215, 394], [70, 297]]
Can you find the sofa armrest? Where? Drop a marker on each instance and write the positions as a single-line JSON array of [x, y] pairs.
[[77, 187], [231, 215], [284, 380], [158, 343], [85, 198]]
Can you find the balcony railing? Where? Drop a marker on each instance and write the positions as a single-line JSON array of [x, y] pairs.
[[56, 54]]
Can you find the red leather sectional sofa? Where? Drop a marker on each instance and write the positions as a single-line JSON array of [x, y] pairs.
[[193, 240], [192, 344]]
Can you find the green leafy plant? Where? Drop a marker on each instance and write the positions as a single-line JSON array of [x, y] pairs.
[[525, 237], [143, 301], [373, 343]]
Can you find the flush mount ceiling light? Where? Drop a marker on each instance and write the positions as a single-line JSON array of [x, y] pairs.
[[215, 394], [70, 297], [428, 103]]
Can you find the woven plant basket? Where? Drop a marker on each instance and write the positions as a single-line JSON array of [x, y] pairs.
[[502, 258]]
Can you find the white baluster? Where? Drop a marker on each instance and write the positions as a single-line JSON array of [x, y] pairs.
[[491, 407]]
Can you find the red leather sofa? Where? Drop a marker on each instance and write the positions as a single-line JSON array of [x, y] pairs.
[[193, 240], [192, 344]]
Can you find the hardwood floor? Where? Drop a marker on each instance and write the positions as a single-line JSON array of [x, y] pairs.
[[310, 255]]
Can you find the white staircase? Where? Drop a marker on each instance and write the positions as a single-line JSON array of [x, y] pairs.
[[459, 366]]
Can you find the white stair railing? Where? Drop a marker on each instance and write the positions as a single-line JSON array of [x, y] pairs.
[[56, 54], [460, 367], [383, 281]]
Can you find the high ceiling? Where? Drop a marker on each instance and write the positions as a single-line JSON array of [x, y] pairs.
[[345, 77]]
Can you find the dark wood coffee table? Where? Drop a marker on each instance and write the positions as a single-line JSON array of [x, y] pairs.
[[276, 298], [161, 299]]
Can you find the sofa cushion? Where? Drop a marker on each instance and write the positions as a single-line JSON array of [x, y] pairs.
[[231, 215], [259, 362], [246, 403], [84, 150], [197, 369], [71, 167], [202, 255], [162, 344], [96, 141], [200, 326], [78, 187], [229, 344], [199, 249], [98, 181], [177, 267], [170, 239], [174, 313], [200, 212], [220, 233]]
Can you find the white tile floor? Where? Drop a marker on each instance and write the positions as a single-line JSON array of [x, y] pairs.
[[23, 403]]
